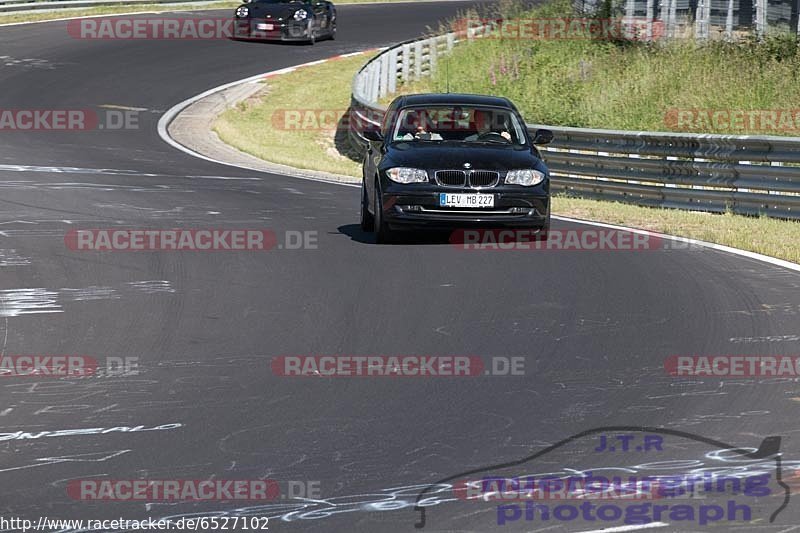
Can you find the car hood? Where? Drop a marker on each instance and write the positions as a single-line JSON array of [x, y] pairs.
[[276, 11], [454, 155]]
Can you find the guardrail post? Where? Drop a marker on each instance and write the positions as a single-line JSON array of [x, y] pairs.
[[392, 69], [418, 60], [433, 55], [374, 81], [702, 19], [630, 11], [383, 84], [729, 21], [406, 51], [761, 17], [672, 17]]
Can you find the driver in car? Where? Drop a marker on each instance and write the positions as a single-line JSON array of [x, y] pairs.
[[419, 122], [483, 125]]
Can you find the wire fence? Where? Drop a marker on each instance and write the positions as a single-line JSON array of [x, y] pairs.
[[705, 19]]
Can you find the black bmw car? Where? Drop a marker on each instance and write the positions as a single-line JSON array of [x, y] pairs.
[[452, 161], [281, 20]]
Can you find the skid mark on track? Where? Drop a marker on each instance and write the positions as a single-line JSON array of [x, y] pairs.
[[791, 309], [10, 257], [39, 300], [771, 338], [30, 63], [89, 293], [18, 302], [97, 457], [151, 287]]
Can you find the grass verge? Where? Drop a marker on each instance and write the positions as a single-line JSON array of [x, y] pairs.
[[250, 127], [263, 125]]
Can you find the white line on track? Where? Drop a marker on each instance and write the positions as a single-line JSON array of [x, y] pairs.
[[123, 107], [713, 246], [627, 528]]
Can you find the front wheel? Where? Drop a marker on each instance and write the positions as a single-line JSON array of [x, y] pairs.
[[383, 234], [333, 30], [312, 37], [367, 220], [544, 233]]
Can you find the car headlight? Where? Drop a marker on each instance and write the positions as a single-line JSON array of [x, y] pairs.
[[242, 11], [524, 177], [300, 14], [407, 175]]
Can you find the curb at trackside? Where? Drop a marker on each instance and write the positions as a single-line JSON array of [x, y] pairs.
[[172, 113]]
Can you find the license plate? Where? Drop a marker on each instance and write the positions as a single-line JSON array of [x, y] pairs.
[[265, 27], [465, 200]]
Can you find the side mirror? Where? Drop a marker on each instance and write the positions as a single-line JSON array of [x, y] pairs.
[[542, 136], [372, 135]]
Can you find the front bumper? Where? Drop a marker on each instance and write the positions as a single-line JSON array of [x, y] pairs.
[[282, 31], [418, 206]]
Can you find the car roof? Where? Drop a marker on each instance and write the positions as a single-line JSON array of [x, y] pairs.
[[452, 99]]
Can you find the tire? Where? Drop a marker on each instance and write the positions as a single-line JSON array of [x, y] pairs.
[[312, 37], [544, 233], [380, 228], [367, 220], [333, 30]]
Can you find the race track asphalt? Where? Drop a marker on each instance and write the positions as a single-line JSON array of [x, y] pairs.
[[593, 327]]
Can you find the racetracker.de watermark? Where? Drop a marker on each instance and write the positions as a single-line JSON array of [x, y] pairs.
[[153, 28], [584, 487], [441, 120], [68, 120], [191, 489], [413, 366], [579, 239], [559, 28], [188, 240], [766, 121], [172, 490], [57, 366], [733, 366]]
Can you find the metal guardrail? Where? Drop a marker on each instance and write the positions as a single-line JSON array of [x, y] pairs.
[[750, 175]]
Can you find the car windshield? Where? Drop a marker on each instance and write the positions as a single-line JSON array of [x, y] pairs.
[[458, 123]]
